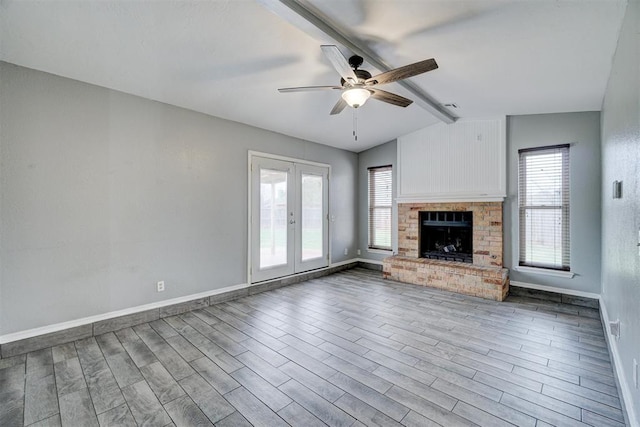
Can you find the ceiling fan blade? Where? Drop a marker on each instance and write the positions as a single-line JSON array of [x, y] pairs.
[[403, 72], [390, 98], [337, 109], [307, 88], [339, 62]]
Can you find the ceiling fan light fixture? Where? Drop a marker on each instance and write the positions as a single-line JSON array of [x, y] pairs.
[[356, 97]]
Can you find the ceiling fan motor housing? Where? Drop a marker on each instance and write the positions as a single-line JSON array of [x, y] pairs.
[[361, 74], [355, 61]]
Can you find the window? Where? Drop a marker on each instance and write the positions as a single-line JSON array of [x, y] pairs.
[[544, 207], [380, 208]]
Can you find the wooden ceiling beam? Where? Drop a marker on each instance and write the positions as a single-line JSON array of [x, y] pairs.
[[342, 36]]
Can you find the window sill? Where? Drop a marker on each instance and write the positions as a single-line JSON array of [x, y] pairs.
[[546, 272], [380, 251]]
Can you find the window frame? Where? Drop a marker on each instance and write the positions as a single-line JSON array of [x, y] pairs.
[[564, 209], [372, 208]]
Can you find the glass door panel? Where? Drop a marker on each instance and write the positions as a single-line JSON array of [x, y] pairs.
[[273, 217], [312, 220], [312, 201]]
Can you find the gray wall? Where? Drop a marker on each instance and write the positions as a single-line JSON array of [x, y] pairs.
[[381, 155], [104, 193], [621, 217], [582, 131]]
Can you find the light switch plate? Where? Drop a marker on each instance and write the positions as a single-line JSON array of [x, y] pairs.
[[617, 189]]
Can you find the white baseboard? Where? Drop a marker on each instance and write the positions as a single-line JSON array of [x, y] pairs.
[[369, 261], [555, 289], [341, 263], [30, 333], [623, 386], [334, 264]]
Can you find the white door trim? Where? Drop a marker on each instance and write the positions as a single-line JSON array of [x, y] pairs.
[[284, 158]]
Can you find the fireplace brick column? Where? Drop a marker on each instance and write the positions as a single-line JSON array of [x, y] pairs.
[[485, 277]]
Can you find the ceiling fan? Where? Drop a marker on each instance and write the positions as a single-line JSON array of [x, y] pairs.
[[358, 85]]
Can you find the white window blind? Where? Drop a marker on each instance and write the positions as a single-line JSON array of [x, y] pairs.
[[380, 202], [544, 207]]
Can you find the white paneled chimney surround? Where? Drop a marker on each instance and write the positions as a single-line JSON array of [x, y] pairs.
[[465, 161]]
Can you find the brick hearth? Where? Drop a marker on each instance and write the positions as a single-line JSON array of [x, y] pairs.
[[485, 278]]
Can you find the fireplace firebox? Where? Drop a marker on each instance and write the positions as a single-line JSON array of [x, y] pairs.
[[446, 235]]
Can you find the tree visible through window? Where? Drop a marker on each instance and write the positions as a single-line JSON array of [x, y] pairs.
[[544, 207], [380, 203]]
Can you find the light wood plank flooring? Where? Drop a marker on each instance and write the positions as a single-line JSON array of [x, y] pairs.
[[345, 350]]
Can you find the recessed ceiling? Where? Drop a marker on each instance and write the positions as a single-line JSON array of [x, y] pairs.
[[227, 58]]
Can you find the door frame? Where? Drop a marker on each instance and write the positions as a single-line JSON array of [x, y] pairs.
[[250, 155]]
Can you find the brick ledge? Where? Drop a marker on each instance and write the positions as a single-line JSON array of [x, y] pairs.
[[483, 281]]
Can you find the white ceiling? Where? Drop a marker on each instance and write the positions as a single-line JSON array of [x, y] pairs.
[[227, 58]]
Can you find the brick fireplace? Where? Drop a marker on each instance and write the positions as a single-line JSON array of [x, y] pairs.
[[485, 277]]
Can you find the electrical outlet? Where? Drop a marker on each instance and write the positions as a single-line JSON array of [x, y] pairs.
[[346, 251], [614, 328], [358, 252], [635, 373], [160, 286]]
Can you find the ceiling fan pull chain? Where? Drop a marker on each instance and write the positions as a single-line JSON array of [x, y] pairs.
[[355, 124]]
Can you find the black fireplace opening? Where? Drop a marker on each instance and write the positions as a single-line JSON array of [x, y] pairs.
[[446, 235]]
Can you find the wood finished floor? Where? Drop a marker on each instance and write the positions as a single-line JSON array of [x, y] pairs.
[[345, 350]]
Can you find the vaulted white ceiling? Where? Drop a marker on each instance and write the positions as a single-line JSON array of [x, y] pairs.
[[227, 58]]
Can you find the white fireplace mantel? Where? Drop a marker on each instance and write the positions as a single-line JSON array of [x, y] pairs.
[[449, 197]]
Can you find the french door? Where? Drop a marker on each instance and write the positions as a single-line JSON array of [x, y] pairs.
[[289, 217]]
